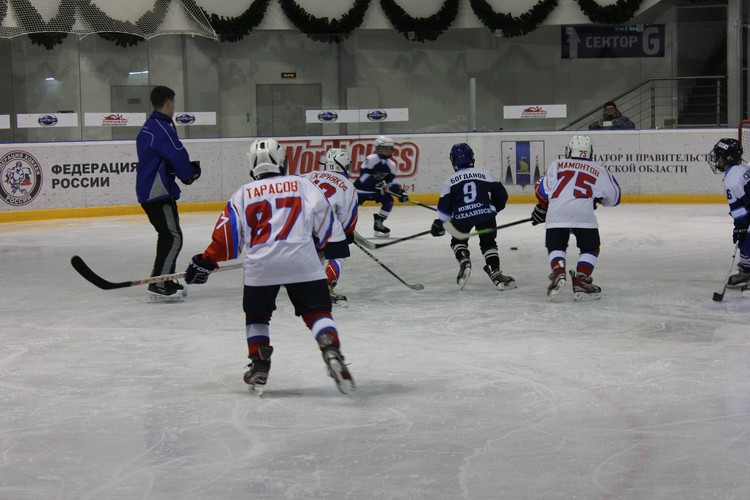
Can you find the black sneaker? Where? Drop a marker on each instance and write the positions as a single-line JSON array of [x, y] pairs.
[[166, 291]]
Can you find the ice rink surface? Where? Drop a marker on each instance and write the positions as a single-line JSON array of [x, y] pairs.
[[473, 394]]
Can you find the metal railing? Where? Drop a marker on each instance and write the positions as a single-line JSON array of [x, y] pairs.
[[677, 102]]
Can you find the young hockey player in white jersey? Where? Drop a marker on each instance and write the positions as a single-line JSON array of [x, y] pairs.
[[568, 194], [471, 198], [281, 221], [726, 158], [342, 195], [378, 176]]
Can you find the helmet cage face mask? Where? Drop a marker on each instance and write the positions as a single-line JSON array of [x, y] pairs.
[[461, 156], [579, 147], [267, 157], [338, 160], [726, 153]]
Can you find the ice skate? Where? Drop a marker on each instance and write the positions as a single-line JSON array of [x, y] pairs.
[[501, 281], [166, 291], [464, 272], [337, 370], [557, 280], [334, 361], [257, 374], [379, 228], [337, 299], [583, 288], [739, 280]]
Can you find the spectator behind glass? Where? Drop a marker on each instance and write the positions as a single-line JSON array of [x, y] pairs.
[[611, 119]]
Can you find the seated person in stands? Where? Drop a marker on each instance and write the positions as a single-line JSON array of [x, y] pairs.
[[611, 119]]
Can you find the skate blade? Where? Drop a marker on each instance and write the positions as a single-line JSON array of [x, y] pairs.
[[552, 293], [337, 372], [464, 278], [586, 297], [746, 293], [155, 298], [378, 234], [342, 304], [256, 389], [506, 286]]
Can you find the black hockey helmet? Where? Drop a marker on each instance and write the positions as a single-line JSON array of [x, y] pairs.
[[726, 153], [462, 156]]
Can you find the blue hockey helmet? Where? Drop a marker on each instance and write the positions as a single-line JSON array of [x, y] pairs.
[[461, 156]]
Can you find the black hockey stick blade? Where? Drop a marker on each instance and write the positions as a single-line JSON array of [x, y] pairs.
[[96, 280], [414, 286], [718, 297]]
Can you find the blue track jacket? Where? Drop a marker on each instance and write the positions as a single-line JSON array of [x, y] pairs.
[[161, 158]]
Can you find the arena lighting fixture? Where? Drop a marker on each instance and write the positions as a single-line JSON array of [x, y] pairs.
[[49, 78], [144, 72]]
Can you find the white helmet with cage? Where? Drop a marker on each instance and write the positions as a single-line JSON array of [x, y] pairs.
[[338, 160], [266, 156], [579, 147], [384, 146]]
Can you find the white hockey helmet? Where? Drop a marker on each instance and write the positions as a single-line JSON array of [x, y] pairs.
[[579, 147], [384, 146], [338, 160], [266, 156]]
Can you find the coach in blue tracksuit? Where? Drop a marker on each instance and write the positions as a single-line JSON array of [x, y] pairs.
[[161, 160]]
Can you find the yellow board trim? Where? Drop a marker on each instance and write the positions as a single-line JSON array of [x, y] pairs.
[[83, 213]]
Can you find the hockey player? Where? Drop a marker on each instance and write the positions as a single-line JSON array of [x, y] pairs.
[[568, 194], [281, 221], [342, 195], [471, 198], [726, 158], [376, 178]]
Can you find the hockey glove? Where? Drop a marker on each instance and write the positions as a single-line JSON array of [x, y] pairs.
[[381, 187], [198, 270], [739, 235], [437, 228], [538, 216], [597, 202], [196, 173], [350, 238], [403, 197]]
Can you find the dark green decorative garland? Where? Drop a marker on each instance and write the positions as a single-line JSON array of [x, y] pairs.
[[122, 33], [320, 28], [513, 26], [3, 10], [421, 29], [620, 12], [234, 29], [56, 30]]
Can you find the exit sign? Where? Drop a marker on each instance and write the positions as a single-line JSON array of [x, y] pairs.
[[289, 74]]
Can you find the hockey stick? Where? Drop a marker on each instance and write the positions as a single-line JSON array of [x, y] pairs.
[[413, 201], [358, 238], [718, 297], [416, 286], [451, 229], [85, 271]]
